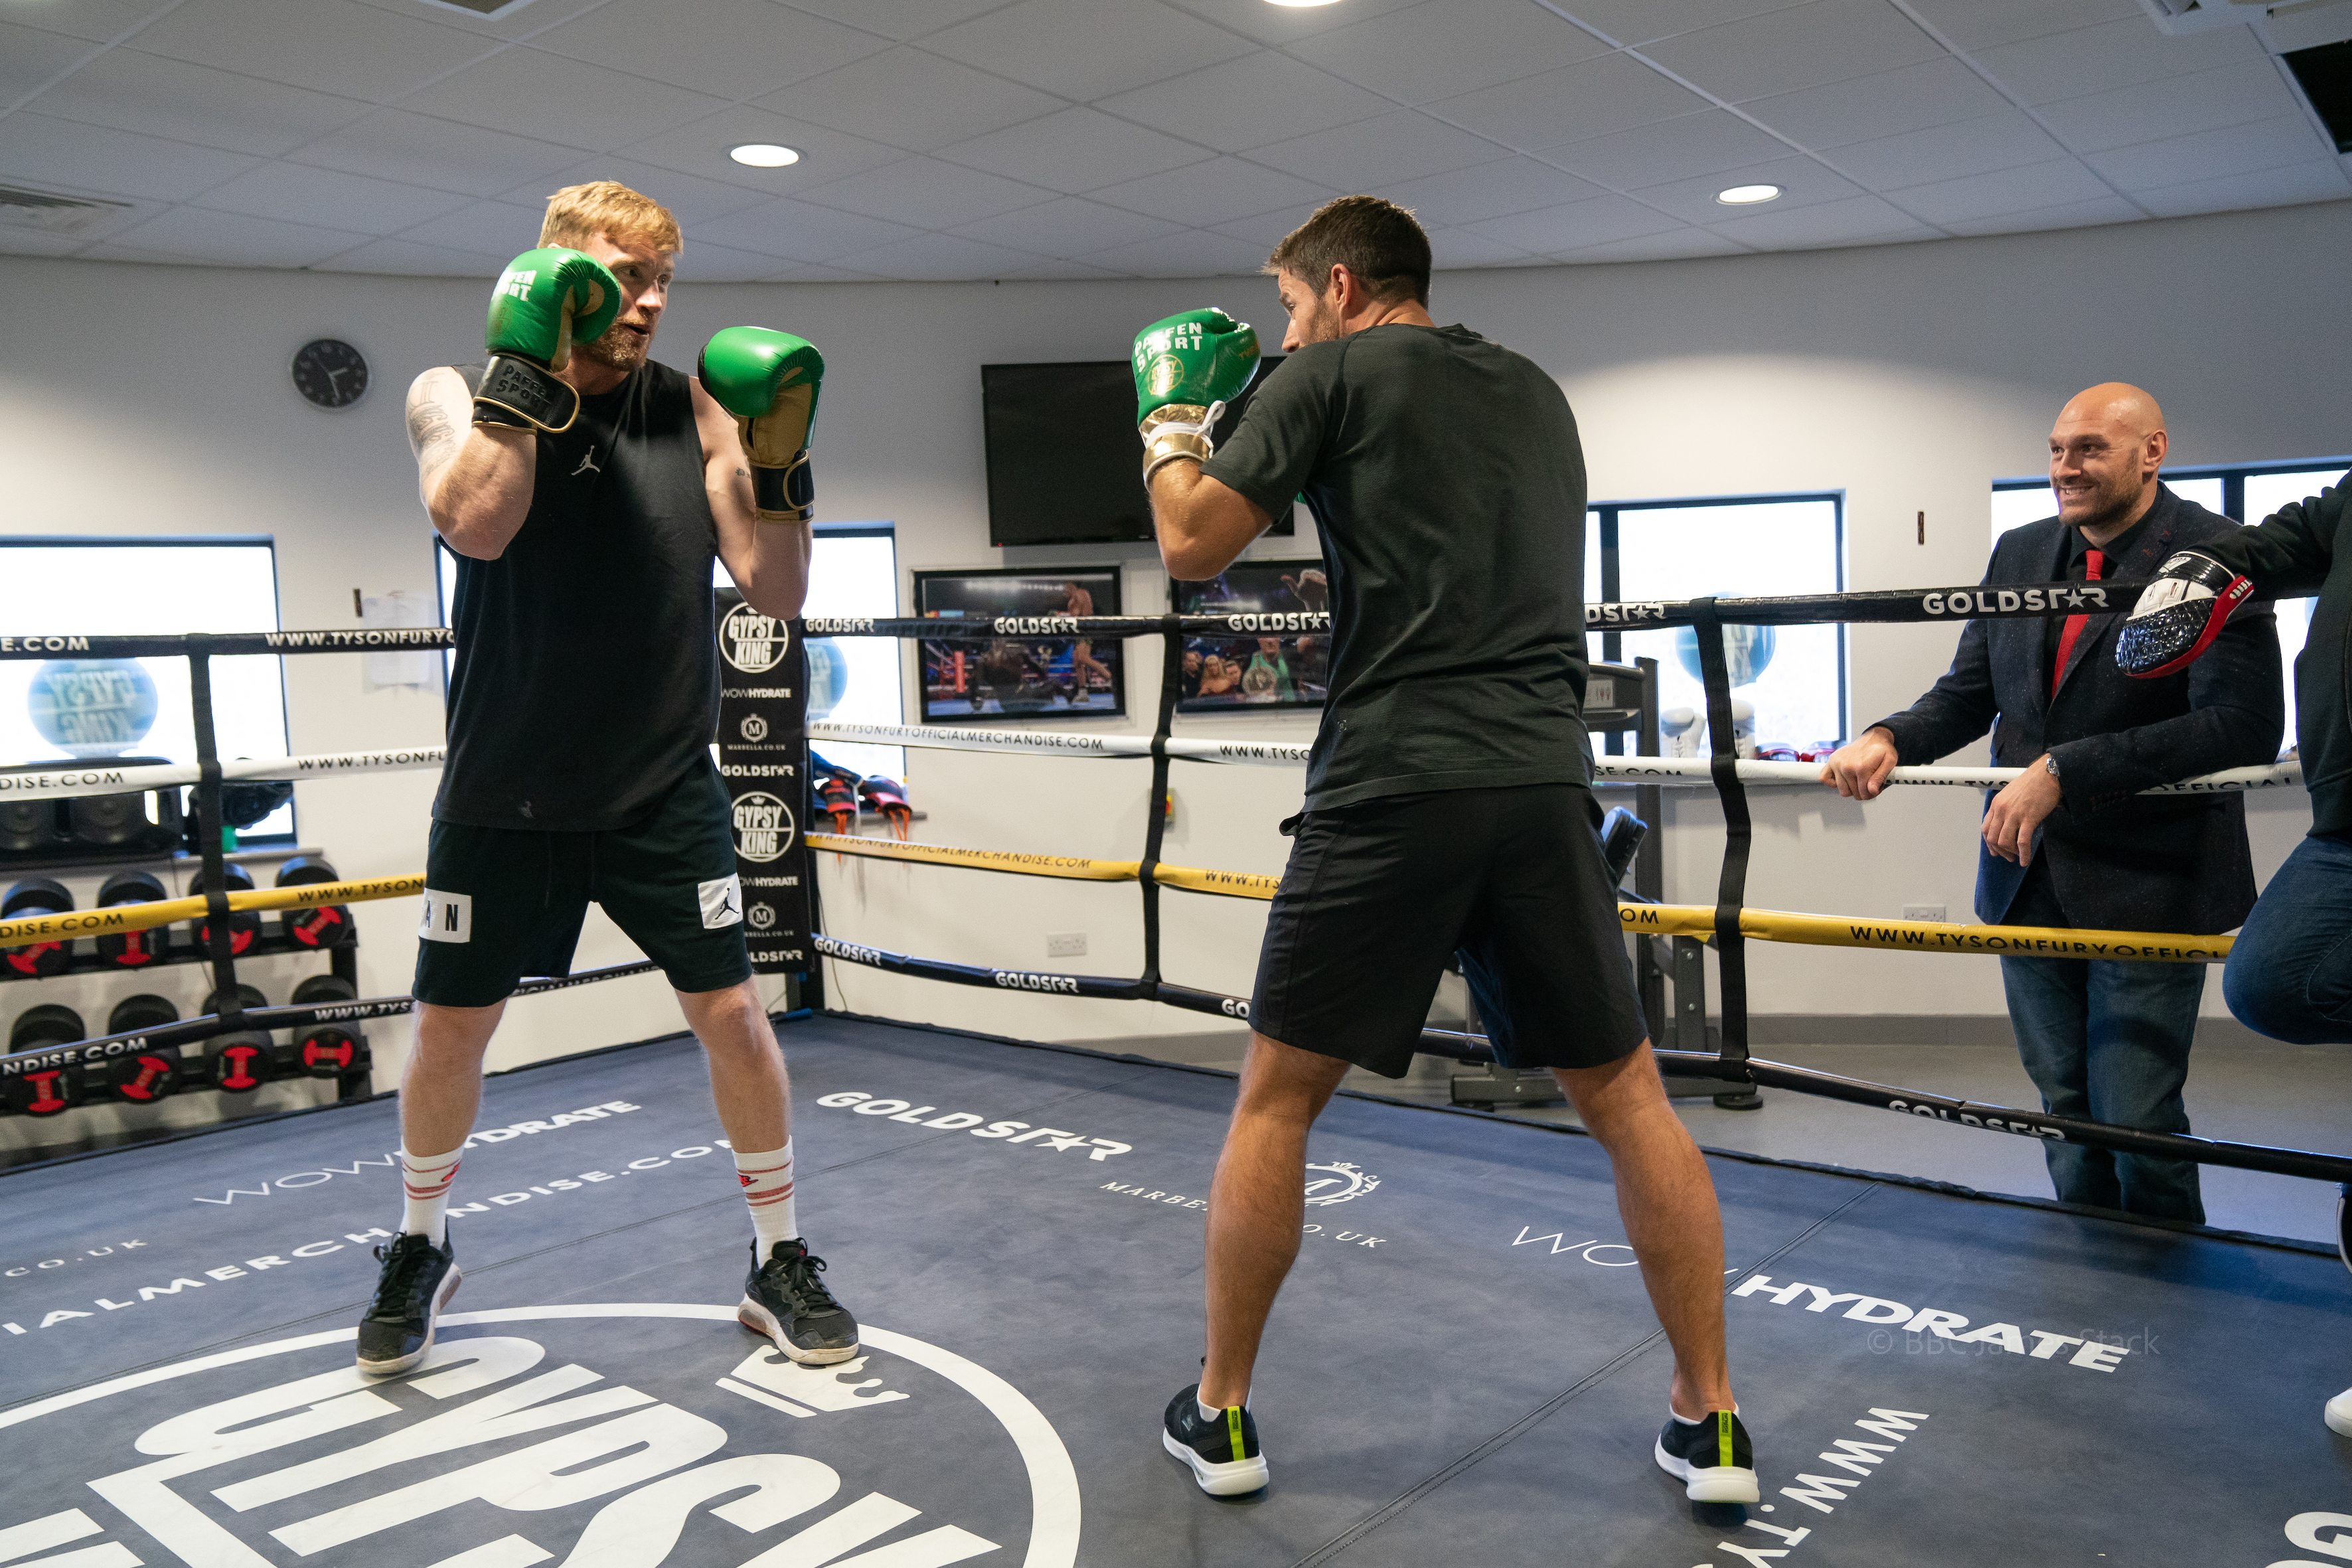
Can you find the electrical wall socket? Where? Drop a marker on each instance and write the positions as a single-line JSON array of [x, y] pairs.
[[1065, 944], [1925, 912]]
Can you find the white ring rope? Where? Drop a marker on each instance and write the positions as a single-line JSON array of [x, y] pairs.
[[1688, 772], [102, 778]]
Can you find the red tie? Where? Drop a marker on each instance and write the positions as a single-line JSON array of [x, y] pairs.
[[2092, 561]]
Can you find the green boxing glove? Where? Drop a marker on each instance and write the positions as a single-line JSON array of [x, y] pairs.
[[1186, 369], [545, 302], [769, 380]]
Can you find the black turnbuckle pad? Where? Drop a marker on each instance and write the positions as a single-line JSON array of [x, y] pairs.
[[787, 494], [526, 395]]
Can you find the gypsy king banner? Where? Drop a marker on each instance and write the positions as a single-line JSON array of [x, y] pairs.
[[763, 758]]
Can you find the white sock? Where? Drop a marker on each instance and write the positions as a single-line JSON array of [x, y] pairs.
[[1214, 1412], [425, 1179], [768, 1190]]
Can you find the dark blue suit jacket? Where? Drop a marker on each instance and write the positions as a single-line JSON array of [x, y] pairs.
[[2118, 859]]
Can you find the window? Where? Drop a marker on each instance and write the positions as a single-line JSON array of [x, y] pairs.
[[117, 587], [2248, 491], [1736, 546]]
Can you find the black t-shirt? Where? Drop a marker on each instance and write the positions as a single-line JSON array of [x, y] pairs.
[[586, 679], [1447, 484]]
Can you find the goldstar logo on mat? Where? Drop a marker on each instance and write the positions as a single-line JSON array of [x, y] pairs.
[[1338, 1182], [753, 643], [596, 1435]]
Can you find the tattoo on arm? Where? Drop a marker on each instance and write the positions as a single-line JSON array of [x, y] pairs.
[[432, 436]]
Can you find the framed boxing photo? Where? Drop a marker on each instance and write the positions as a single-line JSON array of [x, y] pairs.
[[1018, 672], [1263, 664]]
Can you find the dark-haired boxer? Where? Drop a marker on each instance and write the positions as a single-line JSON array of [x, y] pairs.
[[585, 490], [1448, 800]]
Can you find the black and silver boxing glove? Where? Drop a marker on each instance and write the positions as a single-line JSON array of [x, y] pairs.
[[2178, 615]]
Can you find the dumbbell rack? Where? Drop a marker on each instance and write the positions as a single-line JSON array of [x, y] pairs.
[[209, 939], [180, 943]]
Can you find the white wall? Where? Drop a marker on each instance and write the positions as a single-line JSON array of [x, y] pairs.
[[147, 400]]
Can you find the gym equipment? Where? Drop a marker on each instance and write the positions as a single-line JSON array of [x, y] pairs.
[[151, 1075], [49, 1089], [37, 895], [239, 1061], [244, 925], [328, 925], [328, 1050], [132, 949]]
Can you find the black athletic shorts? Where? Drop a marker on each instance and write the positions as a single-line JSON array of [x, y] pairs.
[[501, 903], [1378, 893]]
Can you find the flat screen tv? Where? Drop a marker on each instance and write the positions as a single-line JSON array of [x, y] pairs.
[[1233, 674], [1065, 464]]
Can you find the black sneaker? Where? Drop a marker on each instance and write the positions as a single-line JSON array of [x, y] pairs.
[[784, 1299], [1224, 1452], [417, 1281], [1712, 1458]]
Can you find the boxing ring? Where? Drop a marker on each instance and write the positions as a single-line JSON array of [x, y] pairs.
[[1931, 1377]]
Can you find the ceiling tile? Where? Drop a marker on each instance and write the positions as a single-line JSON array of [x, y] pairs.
[[120, 213], [408, 259], [1265, 231], [1086, 49], [30, 57], [1980, 23], [801, 230], [133, 91], [1488, 189], [1555, 229], [40, 151], [1196, 252], [901, 19], [2113, 54], [927, 193], [2212, 154], [2006, 141], [519, 23], [1855, 221], [2066, 215], [1803, 181], [394, 144], [1914, 98], [2321, 180], [940, 258], [1671, 149], [296, 192], [329, 45], [906, 97], [1615, 92], [1400, 145], [1057, 268], [1674, 245], [2053, 184], [531, 94], [812, 273], [735, 48], [1260, 97], [99, 20], [231, 239], [1783, 51], [1444, 48], [1075, 149], [690, 198], [700, 148], [1220, 191], [1456, 248], [14, 241], [1285, 24], [488, 228], [703, 262], [2206, 101], [1633, 22], [1067, 226]]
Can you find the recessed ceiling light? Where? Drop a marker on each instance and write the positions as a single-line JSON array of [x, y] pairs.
[[1748, 196], [1301, 3], [768, 155]]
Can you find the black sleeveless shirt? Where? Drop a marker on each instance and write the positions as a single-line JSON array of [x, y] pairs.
[[586, 676]]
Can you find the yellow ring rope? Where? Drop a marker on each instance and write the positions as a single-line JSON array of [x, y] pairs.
[[164, 912]]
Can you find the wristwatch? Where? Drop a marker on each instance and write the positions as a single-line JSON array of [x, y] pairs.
[[2050, 765]]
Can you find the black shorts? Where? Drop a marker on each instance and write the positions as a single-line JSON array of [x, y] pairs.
[[1378, 893], [501, 903]]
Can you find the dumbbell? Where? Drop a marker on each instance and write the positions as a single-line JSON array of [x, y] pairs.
[[151, 1075], [244, 925], [238, 1062], [47, 1090], [328, 925], [37, 895], [328, 1051], [131, 949]]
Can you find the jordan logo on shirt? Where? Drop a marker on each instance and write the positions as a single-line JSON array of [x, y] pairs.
[[587, 464]]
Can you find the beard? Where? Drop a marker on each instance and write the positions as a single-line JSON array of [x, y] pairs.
[[2109, 503], [616, 348]]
